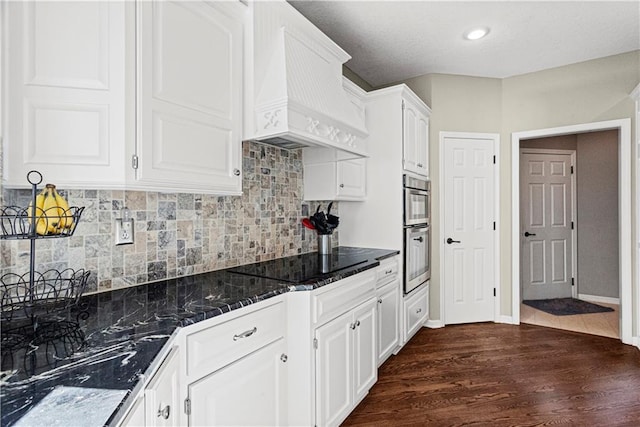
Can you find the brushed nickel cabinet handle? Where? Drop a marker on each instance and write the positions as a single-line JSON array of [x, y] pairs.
[[245, 334]]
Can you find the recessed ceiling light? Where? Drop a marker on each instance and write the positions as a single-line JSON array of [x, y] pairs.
[[476, 33]]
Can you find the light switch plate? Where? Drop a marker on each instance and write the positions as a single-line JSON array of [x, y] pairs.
[[124, 231]]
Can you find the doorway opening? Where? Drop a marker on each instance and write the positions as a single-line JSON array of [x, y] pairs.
[[618, 270]]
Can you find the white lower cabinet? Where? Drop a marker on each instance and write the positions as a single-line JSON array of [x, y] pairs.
[[388, 320], [365, 357], [388, 299], [248, 392], [161, 397], [416, 311], [235, 369], [303, 358], [159, 403], [346, 363]]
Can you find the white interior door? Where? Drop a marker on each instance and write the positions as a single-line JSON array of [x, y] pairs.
[[546, 209], [468, 221]]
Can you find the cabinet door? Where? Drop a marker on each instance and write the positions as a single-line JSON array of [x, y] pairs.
[[415, 139], [190, 96], [409, 136], [388, 320], [334, 372], [248, 392], [135, 416], [162, 400], [351, 179], [365, 350], [65, 98], [422, 145]]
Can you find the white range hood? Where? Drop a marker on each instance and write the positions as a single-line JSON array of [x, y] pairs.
[[301, 101]]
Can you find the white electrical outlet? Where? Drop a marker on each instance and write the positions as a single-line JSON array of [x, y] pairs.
[[124, 231]]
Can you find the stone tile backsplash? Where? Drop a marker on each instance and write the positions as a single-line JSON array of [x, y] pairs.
[[179, 234]]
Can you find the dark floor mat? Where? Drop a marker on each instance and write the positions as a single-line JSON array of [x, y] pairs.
[[566, 306]]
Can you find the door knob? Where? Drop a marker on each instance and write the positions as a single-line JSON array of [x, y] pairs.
[[450, 241], [527, 234]]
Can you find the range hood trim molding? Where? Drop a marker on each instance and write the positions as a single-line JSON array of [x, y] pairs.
[[304, 125]]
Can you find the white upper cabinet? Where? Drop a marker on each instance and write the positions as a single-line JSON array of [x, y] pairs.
[[64, 64], [415, 135], [336, 180], [144, 95], [189, 85]]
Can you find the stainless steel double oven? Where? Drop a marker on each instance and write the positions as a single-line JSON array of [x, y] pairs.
[[417, 232]]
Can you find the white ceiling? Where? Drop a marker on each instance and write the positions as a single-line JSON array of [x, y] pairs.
[[392, 41]]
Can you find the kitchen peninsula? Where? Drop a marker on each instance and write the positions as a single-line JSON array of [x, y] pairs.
[[123, 333]]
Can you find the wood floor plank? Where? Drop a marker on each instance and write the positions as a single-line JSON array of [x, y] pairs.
[[505, 375]]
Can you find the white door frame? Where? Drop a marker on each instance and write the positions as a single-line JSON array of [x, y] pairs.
[[624, 208], [574, 206], [496, 207]]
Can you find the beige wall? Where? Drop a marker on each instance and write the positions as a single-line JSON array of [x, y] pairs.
[[587, 92]]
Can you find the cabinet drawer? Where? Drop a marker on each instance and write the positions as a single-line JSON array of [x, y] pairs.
[[212, 348], [387, 271], [341, 296], [416, 311]]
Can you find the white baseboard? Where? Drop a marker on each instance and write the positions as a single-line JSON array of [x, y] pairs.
[[596, 298], [434, 324], [506, 319]]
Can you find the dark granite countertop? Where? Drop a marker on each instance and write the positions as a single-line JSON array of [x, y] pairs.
[[109, 340]]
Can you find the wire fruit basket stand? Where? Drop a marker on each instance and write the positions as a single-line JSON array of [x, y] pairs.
[[28, 300]]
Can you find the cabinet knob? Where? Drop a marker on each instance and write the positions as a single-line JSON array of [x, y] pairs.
[[284, 357], [357, 323], [236, 172], [353, 325], [379, 300], [341, 185], [164, 412]]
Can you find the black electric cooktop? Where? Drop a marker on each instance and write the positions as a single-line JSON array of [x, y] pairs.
[[302, 268]]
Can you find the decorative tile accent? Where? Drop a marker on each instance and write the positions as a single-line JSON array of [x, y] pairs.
[[179, 234]]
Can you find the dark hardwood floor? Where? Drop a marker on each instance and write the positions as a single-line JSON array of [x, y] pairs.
[[504, 375]]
